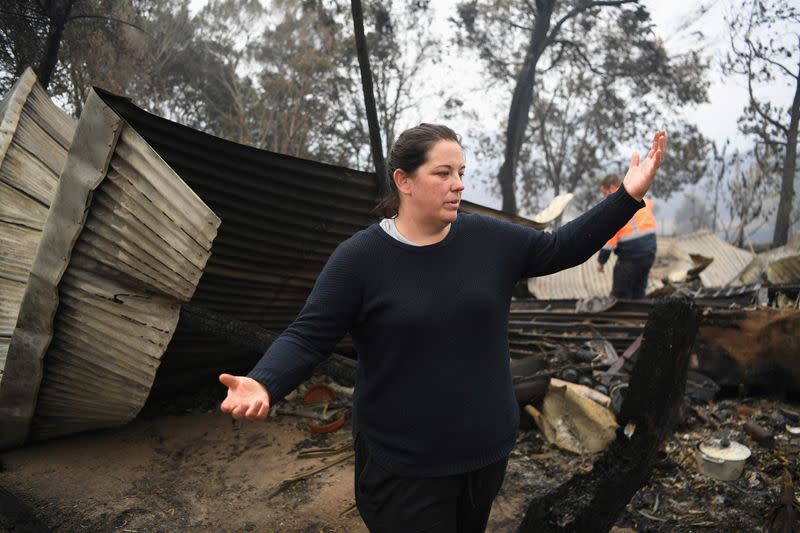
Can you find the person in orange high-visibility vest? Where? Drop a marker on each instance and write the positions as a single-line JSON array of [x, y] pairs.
[[635, 246]]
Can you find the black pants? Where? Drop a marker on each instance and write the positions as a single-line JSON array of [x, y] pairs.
[[630, 278], [449, 504]]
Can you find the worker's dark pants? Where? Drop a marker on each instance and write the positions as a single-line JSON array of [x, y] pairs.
[[630, 278], [449, 504]]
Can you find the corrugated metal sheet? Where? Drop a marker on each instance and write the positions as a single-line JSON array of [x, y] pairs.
[[785, 270], [125, 242], [554, 210], [728, 259], [34, 138], [540, 221], [779, 265], [281, 218], [583, 281]]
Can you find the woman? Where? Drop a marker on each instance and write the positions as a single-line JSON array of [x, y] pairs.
[[425, 296]]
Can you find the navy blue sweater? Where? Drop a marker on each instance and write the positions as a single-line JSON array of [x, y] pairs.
[[433, 390]]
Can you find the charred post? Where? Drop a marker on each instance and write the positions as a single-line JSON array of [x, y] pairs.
[[592, 502]]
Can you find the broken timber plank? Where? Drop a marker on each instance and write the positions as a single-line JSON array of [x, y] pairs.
[[592, 502]]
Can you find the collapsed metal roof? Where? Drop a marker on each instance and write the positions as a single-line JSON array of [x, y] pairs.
[[673, 256], [779, 265], [34, 138]]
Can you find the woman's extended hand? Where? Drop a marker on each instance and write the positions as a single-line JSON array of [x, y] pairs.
[[247, 398], [639, 177]]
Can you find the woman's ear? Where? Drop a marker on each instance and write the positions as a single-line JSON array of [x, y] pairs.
[[402, 181]]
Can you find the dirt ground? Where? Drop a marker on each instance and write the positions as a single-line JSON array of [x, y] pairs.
[[197, 470]]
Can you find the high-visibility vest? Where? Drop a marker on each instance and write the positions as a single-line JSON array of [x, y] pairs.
[[643, 223]]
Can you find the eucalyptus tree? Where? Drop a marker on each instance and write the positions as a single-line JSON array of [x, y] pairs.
[[765, 50], [749, 189], [71, 44], [585, 76]]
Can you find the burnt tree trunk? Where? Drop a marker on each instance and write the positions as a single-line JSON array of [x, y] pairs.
[[58, 13], [369, 97], [592, 502], [521, 103]]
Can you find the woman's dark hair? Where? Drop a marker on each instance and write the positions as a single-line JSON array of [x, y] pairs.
[[409, 152]]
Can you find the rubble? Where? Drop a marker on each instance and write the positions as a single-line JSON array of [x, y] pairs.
[[744, 339], [572, 421], [785, 517], [592, 501], [777, 266]]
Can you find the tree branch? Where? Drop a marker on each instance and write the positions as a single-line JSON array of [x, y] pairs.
[[112, 19], [757, 108], [24, 16], [762, 57], [575, 11], [582, 55]]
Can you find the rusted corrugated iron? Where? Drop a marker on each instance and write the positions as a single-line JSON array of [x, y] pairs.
[[281, 218], [125, 242]]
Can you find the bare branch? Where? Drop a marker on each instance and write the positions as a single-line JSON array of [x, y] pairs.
[[757, 108], [575, 11], [24, 16], [763, 57], [103, 17], [582, 55]]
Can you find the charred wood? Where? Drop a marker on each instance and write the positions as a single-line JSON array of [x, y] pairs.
[[591, 502]]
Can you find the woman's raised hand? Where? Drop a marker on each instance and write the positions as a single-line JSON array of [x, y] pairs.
[[639, 177], [247, 398]]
